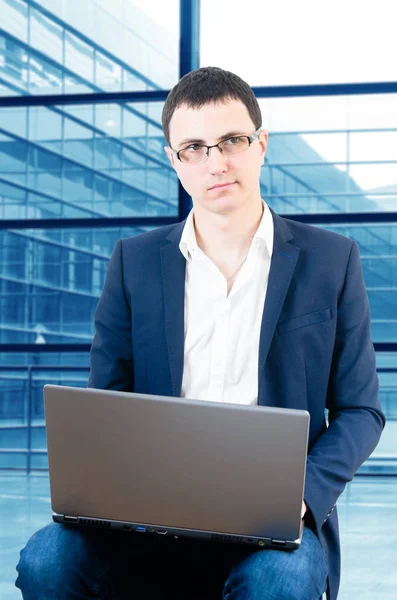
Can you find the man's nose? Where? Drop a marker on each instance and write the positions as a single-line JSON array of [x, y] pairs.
[[217, 160]]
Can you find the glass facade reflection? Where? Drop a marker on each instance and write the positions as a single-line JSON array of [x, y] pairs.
[[59, 162], [22, 426], [328, 155], [70, 46], [331, 154], [378, 251], [91, 161], [51, 281]]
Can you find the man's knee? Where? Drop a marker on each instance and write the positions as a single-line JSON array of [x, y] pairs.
[[50, 557], [269, 574]]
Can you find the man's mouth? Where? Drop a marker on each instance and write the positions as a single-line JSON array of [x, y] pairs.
[[221, 185]]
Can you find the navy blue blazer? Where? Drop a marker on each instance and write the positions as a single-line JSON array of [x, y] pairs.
[[315, 349]]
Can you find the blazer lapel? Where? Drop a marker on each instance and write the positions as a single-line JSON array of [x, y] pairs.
[[283, 263], [173, 267]]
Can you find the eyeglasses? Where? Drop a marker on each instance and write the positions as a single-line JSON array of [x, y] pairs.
[[197, 153]]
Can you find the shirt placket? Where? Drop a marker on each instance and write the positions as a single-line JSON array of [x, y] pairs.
[[219, 348]]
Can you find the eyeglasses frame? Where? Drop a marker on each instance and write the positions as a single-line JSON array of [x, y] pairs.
[[251, 138]]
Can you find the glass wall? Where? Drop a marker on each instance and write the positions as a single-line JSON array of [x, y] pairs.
[[331, 154], [86, 162], [22, 427], [70, 169], [50, 282], [335, 156], [71, 46]]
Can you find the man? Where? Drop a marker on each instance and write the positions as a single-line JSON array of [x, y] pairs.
[[235, 304]]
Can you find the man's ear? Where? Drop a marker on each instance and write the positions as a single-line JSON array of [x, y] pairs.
[[170, 156], [263, 140]]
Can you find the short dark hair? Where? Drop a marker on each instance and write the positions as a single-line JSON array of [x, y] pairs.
[[206, 85]]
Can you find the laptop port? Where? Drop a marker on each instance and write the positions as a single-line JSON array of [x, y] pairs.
[[68, 519], [161, 531], [141, 529], [279, 542]]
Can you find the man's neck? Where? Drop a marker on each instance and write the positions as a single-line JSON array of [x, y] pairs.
[[221, 236]]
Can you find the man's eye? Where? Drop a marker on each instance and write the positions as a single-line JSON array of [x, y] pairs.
[[194, 148], [233, 141]]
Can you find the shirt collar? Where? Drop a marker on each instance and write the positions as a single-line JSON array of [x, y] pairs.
[[265, 233], [188, 244]]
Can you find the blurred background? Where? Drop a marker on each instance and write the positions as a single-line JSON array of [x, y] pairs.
[[82, 85]]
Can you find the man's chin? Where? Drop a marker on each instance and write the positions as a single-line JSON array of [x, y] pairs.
[[223, 201], [222, 206]]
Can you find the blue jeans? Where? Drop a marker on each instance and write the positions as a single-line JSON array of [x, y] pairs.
[[67, 562]]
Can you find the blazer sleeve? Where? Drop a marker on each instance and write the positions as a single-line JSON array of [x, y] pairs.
[[111, 365], [355, 416]]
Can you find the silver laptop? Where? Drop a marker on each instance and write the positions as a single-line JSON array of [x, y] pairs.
[[172, 466]]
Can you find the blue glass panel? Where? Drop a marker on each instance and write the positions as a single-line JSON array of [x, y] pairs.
[[75, 85], [378, 250], [14, 121], [77, 141], [135, 127], [79, 57], [108, 119], [75, 164], [14, 69], [108, 74], [14, 18], [45, 127], [13, 159], [44, 171], [13, 201], [22, 406], [45, 77], [90, 49], [83, 113], [77, 184], [331, 154], [132, 82], [50, 282], [40, 360], [45, 35], [18, 388]]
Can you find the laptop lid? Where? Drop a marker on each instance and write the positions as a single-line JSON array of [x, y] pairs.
[[219, 470]]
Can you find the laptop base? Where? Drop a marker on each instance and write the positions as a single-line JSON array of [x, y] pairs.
[[141, 528]]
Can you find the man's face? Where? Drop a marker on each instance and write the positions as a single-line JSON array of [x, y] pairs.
[[209, 125]]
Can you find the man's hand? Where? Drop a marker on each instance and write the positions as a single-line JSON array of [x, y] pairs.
[[304, 509]]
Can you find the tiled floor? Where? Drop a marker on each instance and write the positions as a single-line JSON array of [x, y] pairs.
[[368, 519]]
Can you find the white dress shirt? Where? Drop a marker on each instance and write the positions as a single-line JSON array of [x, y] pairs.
[[222, 331]]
